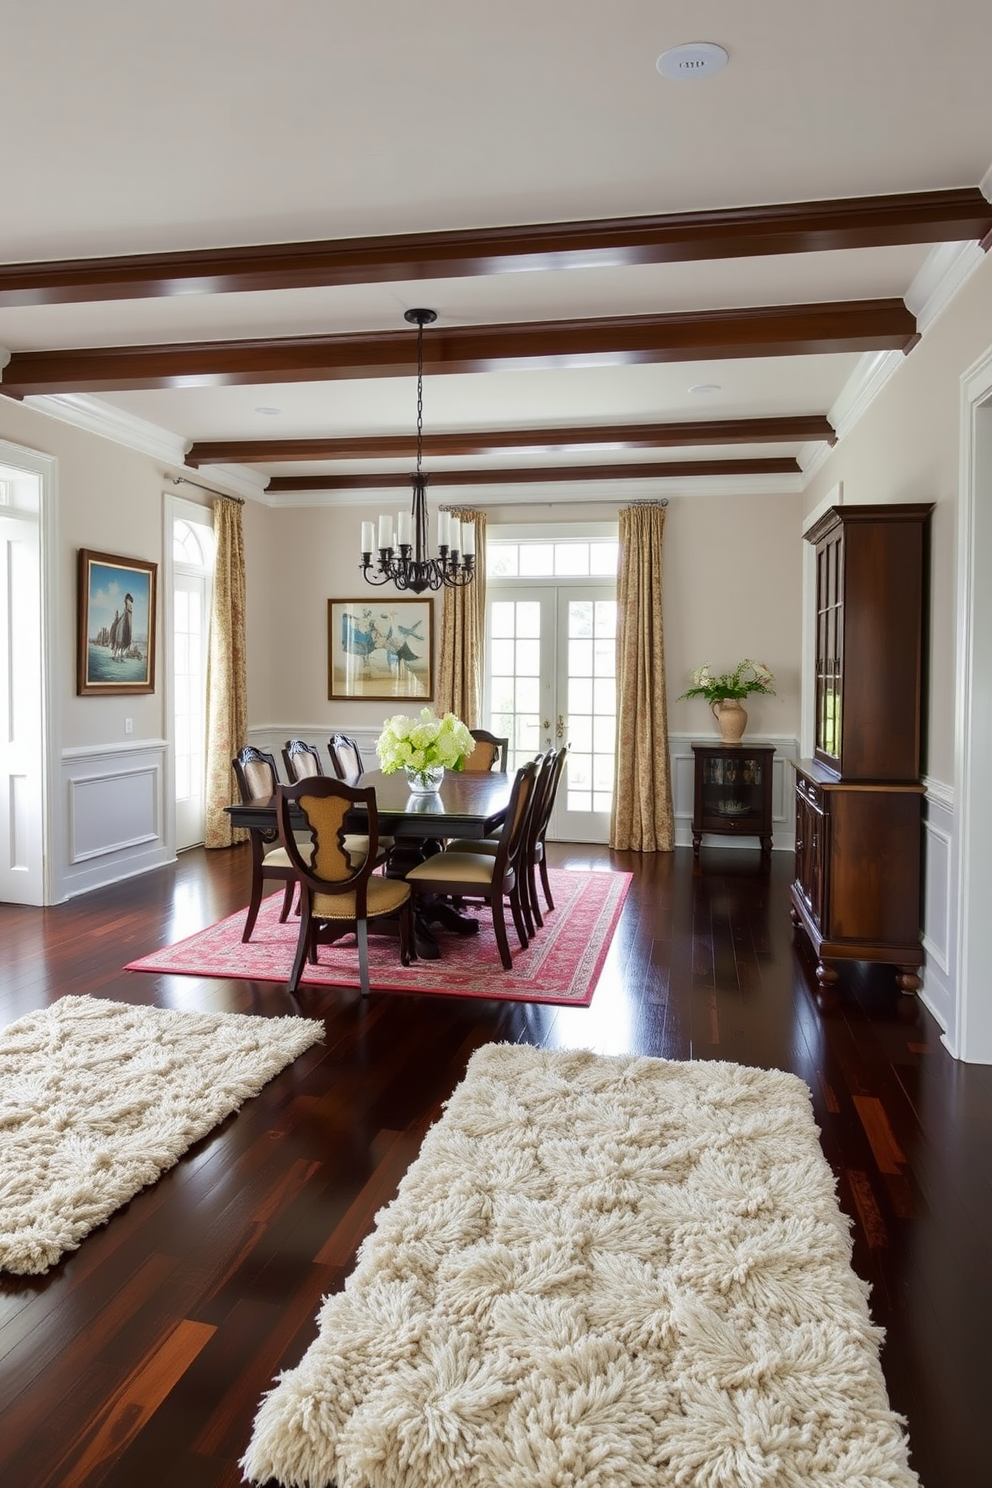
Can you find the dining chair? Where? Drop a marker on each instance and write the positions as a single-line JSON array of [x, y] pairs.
[[258, 780], [489, 753], [536, 852], [491, 877], [346, 757], [337, 894], [303, 762], [528, 855]]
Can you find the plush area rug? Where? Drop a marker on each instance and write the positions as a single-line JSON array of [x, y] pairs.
[[97, 1099], [599, 1273], [561, 965]]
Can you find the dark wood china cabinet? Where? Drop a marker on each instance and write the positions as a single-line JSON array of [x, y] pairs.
[[856, 892]]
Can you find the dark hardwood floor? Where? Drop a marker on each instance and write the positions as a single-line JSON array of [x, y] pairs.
[[140, 1358]]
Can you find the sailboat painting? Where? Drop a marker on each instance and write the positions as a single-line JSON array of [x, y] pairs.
[[381, 649], [116, 624]]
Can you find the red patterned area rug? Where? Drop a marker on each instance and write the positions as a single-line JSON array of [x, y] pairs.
[[562, 964]]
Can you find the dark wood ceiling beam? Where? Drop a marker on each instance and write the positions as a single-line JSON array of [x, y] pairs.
[[656, 470], [775, 330], [735, 232], [481, 442]]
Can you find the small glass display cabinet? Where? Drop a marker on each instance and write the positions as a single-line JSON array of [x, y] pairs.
[[733, 792]]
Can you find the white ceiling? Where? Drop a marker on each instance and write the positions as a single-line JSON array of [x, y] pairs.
[[212, 123]]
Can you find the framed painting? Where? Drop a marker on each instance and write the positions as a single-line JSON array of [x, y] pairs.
[[116, 625], [380, 649]]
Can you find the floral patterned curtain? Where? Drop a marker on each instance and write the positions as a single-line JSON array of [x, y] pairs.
[[463, 634], [227, 678], [642, 818]]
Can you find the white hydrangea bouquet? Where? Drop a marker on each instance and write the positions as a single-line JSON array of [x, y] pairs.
[[423, 746], [748, 676]]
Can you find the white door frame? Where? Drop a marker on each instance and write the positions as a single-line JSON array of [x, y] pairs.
[[969, 1037], [44, 468]]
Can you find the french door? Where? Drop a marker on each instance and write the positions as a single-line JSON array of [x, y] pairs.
[[551, 679]]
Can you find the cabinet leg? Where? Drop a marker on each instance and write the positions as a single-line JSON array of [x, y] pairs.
[[826, 975], [697, 838], [908, 980]]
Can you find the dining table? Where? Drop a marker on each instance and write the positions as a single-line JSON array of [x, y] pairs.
[[465, 805]]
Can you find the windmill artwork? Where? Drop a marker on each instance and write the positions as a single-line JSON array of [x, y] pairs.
[[380, 649]]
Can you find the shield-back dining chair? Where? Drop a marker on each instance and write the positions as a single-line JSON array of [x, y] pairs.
[[303, 762], [345, 756], [258, 780], [336, 893]]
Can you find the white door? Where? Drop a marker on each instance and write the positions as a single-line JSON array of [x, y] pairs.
[[191, 579], [551, 658], [21, 783]]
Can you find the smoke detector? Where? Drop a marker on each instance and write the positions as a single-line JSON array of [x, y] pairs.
[[695, 59]]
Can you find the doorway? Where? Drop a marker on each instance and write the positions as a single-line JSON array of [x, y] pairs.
[[24, 785]]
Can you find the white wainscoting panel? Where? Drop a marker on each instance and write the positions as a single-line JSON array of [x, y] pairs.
[[115, 814], [939, 903], [783, 788]]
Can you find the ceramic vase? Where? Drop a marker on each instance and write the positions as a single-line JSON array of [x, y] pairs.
[[732, 719]]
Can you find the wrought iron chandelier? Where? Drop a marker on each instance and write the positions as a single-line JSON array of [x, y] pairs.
[[403, 557]]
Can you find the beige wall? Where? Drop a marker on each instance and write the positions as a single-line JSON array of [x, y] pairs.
[[732, 589], [905, 448], [110, 500]]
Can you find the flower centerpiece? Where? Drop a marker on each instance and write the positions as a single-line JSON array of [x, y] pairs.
[[424, 746], [724, 692]]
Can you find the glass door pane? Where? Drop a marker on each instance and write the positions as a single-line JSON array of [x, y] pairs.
[[189, 693], [586, 716], [520, 683]]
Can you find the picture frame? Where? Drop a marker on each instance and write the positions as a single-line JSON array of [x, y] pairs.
[[115, 625], [380, 649]]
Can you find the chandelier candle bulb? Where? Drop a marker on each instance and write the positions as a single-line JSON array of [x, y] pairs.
[[368, 537], [455, 540], [468, 539], [404, 529], [443, 528], [385, 532]]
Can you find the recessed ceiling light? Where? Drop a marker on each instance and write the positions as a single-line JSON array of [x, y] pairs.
[[269, 412], [706, 387], [695, 59]]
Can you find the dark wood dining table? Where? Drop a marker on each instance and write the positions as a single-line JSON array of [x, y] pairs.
[[467, 804]]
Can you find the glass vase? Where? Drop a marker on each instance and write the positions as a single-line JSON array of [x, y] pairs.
[[424, 782]]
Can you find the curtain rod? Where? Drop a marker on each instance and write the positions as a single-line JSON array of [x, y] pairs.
[[180, 480]]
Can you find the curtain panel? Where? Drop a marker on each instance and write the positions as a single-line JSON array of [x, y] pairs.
[[642, 818], [463, 635], [227, 675]]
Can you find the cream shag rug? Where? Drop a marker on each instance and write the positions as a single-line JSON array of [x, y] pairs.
[[97, 1099], [599, 1273]]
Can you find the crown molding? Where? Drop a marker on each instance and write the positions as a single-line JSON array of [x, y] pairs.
[[946, 271], [942, 276], [97, 417]]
